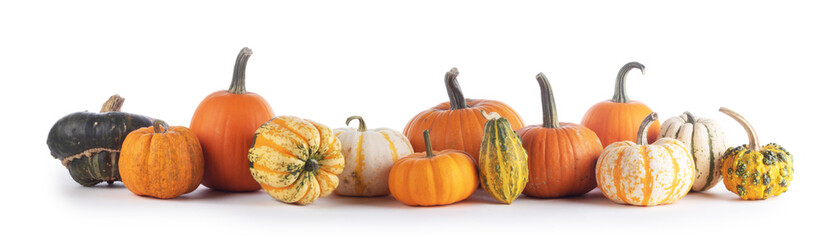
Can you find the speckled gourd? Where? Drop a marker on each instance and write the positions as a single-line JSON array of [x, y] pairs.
[[503, 165], [369, 155], [706, 142], [755, 172]]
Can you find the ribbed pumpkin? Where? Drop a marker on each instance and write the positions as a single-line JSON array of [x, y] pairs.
[[562, 156], [643, 174], [705, 140], [88, 143], [433, 177], [502, 166], [296, 160], [369, 156], [457, 124], [618, 119], [161, 161], [756, 172], [224, 123]]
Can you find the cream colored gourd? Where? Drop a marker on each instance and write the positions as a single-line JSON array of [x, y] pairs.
[[369, 157], [706, 142], [643, 174]]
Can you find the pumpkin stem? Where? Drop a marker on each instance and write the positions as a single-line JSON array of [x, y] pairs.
[[457, 100], [620, 95], [113, 104], [361, 127], [642, 135], [160, 126], [489, 116], [427, 146], [550, 117], [689, 117], [751, 133], [237, 85]]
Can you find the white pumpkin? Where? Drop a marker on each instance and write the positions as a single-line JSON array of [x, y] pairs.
[[705, 140], [369, 156]]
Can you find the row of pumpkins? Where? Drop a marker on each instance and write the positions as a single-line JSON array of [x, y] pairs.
[[236, 144]]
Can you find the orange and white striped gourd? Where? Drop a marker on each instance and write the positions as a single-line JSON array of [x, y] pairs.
[[369, 155], [643, 174], [295, 160]]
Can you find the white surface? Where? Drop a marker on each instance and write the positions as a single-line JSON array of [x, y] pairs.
[[773, 63]]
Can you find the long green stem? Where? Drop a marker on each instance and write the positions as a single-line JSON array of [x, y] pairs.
[[620, 95], [642, 134], [457, 100], [550, 116], [237, 85], [427, 146], [361, 127], [751, 132]]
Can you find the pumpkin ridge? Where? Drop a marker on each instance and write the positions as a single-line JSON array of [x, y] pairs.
[[711, 161], [617, 176], [572, 156], [359, 164], [391, 145], [676, 183], [647, 180], [284, 124], [259, 167]]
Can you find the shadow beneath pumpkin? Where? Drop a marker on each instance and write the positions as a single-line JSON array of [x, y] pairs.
[[482, 197], [204, 193], [594, 197], [715, 196]]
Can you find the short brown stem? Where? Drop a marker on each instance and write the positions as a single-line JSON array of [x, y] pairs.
[[457, 99], [361, 127], [427, 146], [689, 117], [751, 133], [113, 104], [160, 126]]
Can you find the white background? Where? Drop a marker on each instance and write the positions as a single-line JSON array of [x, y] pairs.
[[773, 63]]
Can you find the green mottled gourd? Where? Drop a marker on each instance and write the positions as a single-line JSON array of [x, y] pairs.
[[756, 172], [503, 162], [88, 143]]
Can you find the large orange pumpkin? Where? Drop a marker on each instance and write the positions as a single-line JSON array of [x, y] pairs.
[[224, 123], [161, 162], [618, 119], [457, 124], [433, 178], [562, 156]]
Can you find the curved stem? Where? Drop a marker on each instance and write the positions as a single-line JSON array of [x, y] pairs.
[[457, 100], [690, 118], [489, 116], [160, 126], [113, 104], [642, 135], [237, 85], [751, 133], [620, 95], [427, 145], [361, 127], [550, 117]]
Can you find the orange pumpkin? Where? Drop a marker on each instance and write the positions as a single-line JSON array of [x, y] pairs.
[[562, 156], [161, 162], [457, 124], [224, 123], [618, 119], [433, 177]]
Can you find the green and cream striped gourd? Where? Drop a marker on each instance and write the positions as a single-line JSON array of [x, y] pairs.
[[503, 165], [705, 140]]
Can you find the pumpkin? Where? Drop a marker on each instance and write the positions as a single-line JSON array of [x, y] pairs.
[[618, 119], [433, 177], [705, 140], [161, 161], [562, 155], [643, 174], [88, 143], [224, 123], [296, 160], [369, 156], [457, 124], [502, 166], [754, 171]]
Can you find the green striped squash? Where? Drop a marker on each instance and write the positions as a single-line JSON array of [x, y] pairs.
[[705, 140], [503, 165]]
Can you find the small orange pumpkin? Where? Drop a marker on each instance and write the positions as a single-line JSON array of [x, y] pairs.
[[618, 119], [562, 156], [433, 177], [161, 162], [457, 124]]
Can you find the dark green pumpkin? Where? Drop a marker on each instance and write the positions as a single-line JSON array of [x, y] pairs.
[[88, 143]]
